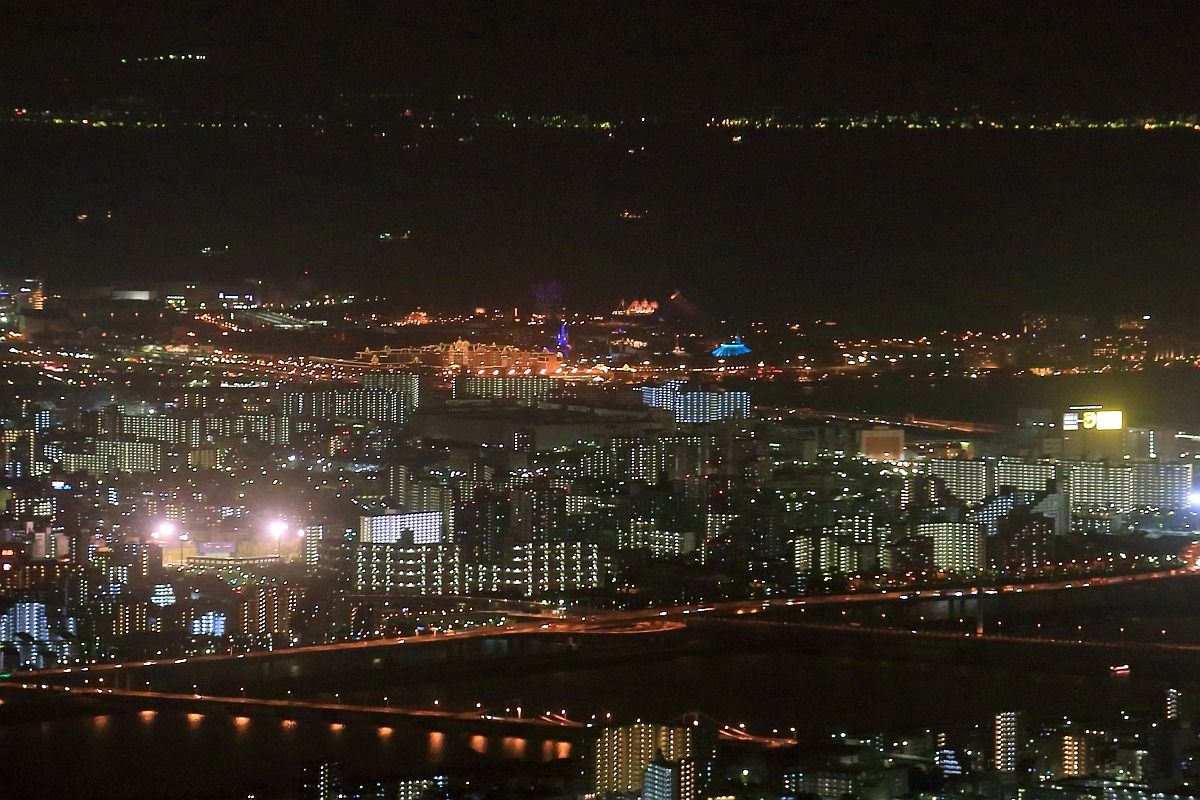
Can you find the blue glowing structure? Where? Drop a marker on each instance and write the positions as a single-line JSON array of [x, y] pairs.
[[562, 341], [731, 349]]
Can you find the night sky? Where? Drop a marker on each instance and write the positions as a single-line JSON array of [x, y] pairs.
[[1072, 56], [900, 228]]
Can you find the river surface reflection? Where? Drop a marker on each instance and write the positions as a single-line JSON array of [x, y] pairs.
[[153, 754]]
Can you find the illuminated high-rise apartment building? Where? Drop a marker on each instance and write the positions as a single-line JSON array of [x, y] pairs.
[[1005, 732], [623, 753], [1172, 703], [669, 780], [970, 480], [958, 547], [694, 405], [527, 389], [1075, 755], [417, 527]]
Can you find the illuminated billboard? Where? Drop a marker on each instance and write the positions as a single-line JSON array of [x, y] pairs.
[[1093, 418]]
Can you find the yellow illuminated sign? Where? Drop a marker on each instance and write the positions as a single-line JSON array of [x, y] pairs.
[[1104, 420], [1094, 419]]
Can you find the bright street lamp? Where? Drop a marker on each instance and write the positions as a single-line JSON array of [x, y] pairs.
[[167, 529], [164, 530], [277, 528]]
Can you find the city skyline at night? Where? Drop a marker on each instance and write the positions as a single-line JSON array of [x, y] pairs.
[[733, 400]]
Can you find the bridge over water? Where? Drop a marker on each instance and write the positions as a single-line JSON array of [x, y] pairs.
[[309, 680]]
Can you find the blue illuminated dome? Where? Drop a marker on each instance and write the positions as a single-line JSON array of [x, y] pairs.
[[730, 349]]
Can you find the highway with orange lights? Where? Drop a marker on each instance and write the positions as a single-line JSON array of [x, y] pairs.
[[607, 627], [280, 707], [641, 621]]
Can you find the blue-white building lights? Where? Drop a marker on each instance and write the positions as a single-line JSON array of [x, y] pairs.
[[731, 349], [692, 405]]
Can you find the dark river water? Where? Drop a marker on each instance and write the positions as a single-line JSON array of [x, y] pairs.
[[168, 754], [1164, 398]]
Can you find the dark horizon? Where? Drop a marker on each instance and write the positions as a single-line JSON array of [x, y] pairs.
[[818, 56], [906, 231]]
